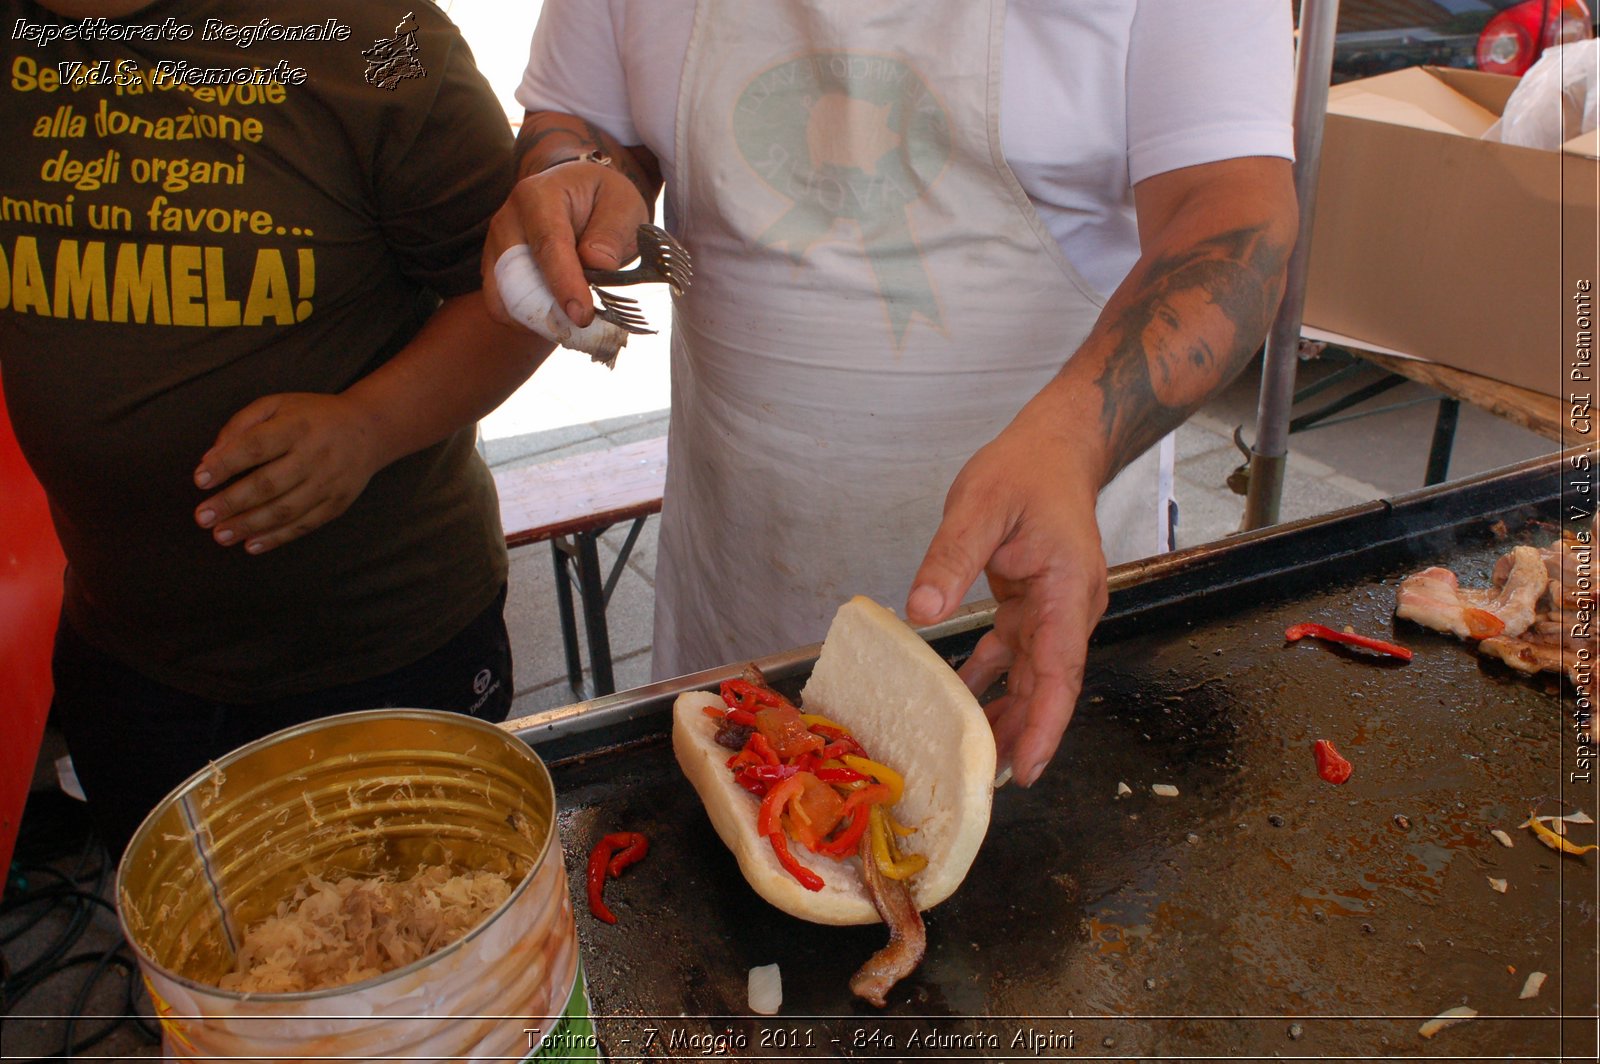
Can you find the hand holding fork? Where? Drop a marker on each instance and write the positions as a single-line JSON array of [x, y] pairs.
[[529, 301]]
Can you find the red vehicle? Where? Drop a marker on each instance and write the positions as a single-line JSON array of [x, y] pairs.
[[1500, 36]]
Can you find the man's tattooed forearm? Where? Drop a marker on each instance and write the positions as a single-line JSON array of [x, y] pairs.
[[1198, 318]]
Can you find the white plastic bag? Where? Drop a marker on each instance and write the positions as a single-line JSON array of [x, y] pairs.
[[1557, 99]]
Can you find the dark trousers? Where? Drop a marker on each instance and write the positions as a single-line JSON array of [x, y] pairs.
[[133, 740]]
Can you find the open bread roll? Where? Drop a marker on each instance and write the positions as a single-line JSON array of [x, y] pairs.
[[911, 712]]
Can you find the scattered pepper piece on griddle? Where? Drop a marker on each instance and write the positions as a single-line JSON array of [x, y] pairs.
[[610, 856], [1331, 766], [1321, 631]]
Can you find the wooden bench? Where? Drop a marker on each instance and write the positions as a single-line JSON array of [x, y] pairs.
[[571, 502]]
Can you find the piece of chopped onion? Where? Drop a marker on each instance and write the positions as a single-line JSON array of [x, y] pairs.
[[1532, 986], [1498, 884], [1123, 789], [1447, 1018], [1165, 790], [1502, 838], [765, 990]]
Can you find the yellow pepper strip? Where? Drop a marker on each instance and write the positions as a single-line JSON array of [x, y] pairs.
[[1554, 841], [905, 867], [882, 773], [899, 828], [811, 720]]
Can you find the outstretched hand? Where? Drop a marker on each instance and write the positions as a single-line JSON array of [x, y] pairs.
[[295, 461], [1022, 511]]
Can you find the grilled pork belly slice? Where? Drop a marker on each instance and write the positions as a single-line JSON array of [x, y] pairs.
[[1520, 579], [908, 940], [1433, 599]]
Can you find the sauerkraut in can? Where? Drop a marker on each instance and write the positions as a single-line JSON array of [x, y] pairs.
[[385, 884]]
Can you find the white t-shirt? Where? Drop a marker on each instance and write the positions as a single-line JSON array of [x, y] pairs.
[[1097, 95]]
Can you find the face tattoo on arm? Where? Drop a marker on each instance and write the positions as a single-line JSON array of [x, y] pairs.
[[1194, 326]]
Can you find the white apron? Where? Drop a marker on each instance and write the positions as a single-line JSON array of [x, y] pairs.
[[874, 299]]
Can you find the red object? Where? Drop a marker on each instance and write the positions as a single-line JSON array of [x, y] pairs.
[[611, 855], [1481, 624], [1322, 631], [781, 763], [838, 748], [742, 694], [31, 565], [759, 746], [772, 806], [1515, 38], [806, 877], [769, 822], [1330, 766], [787, 733], [599, 858], [844, 843], [856, 808], [631, 854]]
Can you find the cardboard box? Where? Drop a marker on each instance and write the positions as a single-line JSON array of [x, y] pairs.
[[1431, 241]]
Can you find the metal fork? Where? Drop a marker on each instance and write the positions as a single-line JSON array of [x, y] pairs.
[[622, 312], [661, 258]]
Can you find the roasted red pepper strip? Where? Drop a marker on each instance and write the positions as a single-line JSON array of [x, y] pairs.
[[635, 846], [732, 716], [807, 878], [759, 746], [745, 757], [612, 854], [599, 858], [742, 694], [838, 775], [1330, 766], [855, 807], [768, 817], [839, 747], [1322, 631], [769, 822], [845, 843]]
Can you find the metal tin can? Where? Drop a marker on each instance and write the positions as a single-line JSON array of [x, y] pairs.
[[361, 794]]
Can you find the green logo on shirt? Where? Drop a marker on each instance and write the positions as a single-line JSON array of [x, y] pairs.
[[854, 136]]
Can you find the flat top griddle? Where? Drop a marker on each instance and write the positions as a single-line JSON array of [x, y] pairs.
[[1261, 912]]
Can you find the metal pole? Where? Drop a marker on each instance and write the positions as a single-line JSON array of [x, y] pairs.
[[1269, 455]]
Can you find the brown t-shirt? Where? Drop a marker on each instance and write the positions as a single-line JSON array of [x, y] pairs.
[[171, 250]]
